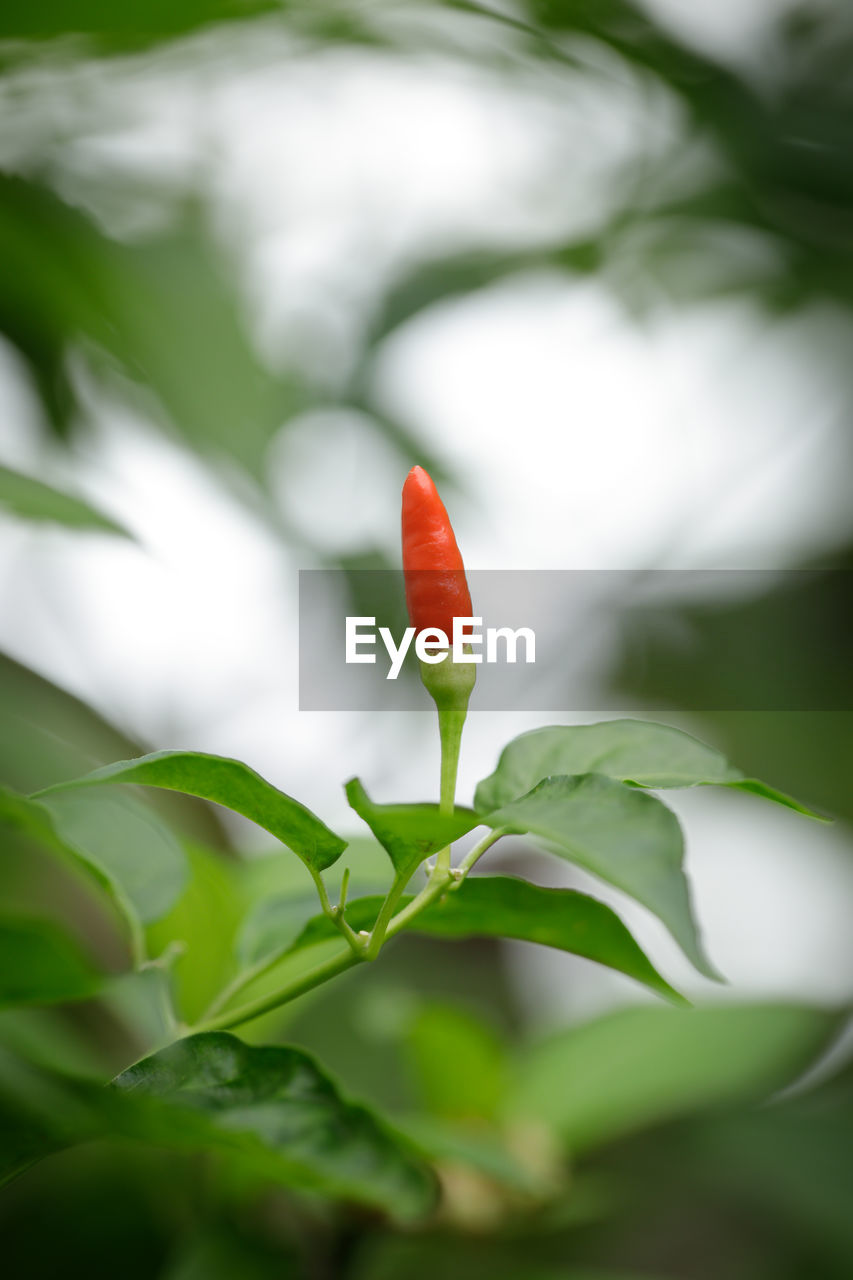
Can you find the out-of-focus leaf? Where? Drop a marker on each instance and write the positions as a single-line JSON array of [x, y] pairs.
[[125, 839], [409, 832], [37, 823], [275, 1107], [219, 1255], [201, 925], [277, 874], [456, 275], [273, 927], [162, 310], [624, 835], [34, 500], [482, 1255], [630, 1069], [458, 1061], [792, 1160], [477, 1147], [41, 1111], [484, 906], [41, 964], [634, 751], [229, 783], [47, 735], [134, 24]]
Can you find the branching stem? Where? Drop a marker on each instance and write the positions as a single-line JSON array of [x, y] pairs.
[[442, 880]]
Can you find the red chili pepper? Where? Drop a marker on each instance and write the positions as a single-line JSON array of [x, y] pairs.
[[436, 589]]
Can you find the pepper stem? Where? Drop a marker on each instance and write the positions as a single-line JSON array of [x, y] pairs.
[[450, 725], [449, 684]]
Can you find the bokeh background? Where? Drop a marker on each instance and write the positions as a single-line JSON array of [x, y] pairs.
[[589, 263]]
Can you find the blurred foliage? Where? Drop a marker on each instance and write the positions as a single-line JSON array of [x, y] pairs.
[[715, 1186]]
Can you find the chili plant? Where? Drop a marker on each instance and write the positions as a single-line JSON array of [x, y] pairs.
[[586, 794]]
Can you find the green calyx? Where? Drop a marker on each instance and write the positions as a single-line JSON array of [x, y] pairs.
[[449, 683]]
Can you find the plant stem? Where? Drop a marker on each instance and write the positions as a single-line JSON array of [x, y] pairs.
[[330, 968], [336, 914], [442, 880], [475, 854], [450, 724], [389, 906], [244, 979]]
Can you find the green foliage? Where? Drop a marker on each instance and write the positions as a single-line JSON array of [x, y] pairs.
[[126, 849], [660, 1111], [634, 751], [623, 835], [137, 23], [127, 841], [231, 784], [484, 906], [277, 1109], [459, 1063], [409, 832], [162, 311], [631, 1069], [32, 499], [41, 964], [270, 1110]]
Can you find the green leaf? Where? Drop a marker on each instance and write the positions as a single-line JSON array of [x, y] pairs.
[[231, 784], [625, 836], [124, 846], [275, 924], [634, 751], [484, 906], [162, 311], [754, 787], [409, 832], [33, 500], [42, 1111], [128, 841], [458, 1062], [505, 907], [277, 1108], [41, 964], [138, 23], [476, 1146], [631, 1069]]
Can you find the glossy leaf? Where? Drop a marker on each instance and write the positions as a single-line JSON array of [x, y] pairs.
[[505, 907], [277, 1108], [624, 835], [409, 832], [41, 964], [231, 784], [634, 751], [633, 1068], [484, 906], [32, 499]]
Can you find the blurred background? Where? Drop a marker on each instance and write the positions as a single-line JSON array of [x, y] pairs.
[[589, 263]]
